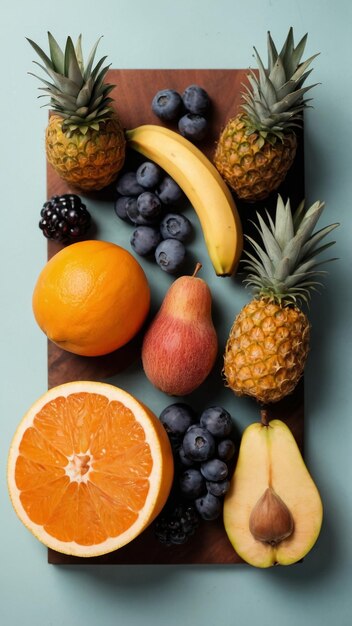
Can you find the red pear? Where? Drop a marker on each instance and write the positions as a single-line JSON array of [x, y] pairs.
[[180, 346]]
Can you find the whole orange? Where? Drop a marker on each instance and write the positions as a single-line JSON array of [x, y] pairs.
[[91, 298]]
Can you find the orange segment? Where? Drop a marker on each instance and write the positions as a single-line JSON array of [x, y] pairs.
[[89, 468]]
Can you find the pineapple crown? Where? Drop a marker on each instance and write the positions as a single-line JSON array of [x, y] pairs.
[[274, 101], [77, 91], [284, 269]]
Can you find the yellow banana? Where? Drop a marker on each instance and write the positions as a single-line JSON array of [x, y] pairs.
[[204, 187]]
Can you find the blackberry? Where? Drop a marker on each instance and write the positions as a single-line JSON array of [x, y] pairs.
[[175, 525], [64, 218]]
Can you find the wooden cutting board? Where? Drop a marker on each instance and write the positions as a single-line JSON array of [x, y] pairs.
[[133, 95]]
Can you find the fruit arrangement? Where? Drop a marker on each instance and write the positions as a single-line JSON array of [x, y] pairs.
[[93, 448], [149, 199]]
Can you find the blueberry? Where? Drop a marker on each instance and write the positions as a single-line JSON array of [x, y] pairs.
[[192, 483], [217, 420], [145, 239], [218, 488], [214, 469], [134, 215], [177, 418], [176, 226], [226, 449], [148, 175], [208, 506], [185, 461], [169, 191], [120, 207], [192, 126], [167, 104], [196, 99], [149, 205], [170, 255], [127, 185], [198, 444]]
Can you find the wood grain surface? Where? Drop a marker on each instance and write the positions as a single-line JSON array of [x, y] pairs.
[[133, 95]]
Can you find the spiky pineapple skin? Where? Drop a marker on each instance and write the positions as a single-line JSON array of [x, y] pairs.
[[88, 162], [253, 172], [266, 350]]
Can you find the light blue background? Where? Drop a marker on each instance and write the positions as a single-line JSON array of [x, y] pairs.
[[183, 33]]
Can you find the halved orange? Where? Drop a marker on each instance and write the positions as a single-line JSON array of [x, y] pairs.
[[89, 468]]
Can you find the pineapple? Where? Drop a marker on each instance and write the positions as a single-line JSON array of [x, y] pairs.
[[257, 147], [85, 142], [269, 340]]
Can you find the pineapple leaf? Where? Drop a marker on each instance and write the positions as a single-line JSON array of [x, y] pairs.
[[79, 54], [289, 101], [94, 72], [100, 78], [284, 230], [65, 101], [254, 264], [278, 75], [82, 111], [96, 103], [311, 243], [91, 116], [85, 93], [299, 51], [287, 48], [312, 215], [62, 83], [271, 246], [264, 258], [56, 54], [299, 214], [88, 69], [41, 54], [267, 88], [297, 282], [282, 269], [301, 69], [272, 52], [72, 69]]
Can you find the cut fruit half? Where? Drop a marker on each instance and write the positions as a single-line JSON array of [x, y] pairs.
[[89, 468]]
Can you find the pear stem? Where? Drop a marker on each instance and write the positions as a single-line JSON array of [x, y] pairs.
[[264, 415], [196, 269]]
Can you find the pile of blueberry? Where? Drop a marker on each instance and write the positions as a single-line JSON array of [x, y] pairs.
[[204, 453], [149, 199], [64, 218], [190, 110]]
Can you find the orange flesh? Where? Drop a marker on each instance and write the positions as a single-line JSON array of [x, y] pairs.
[[83, 468]]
